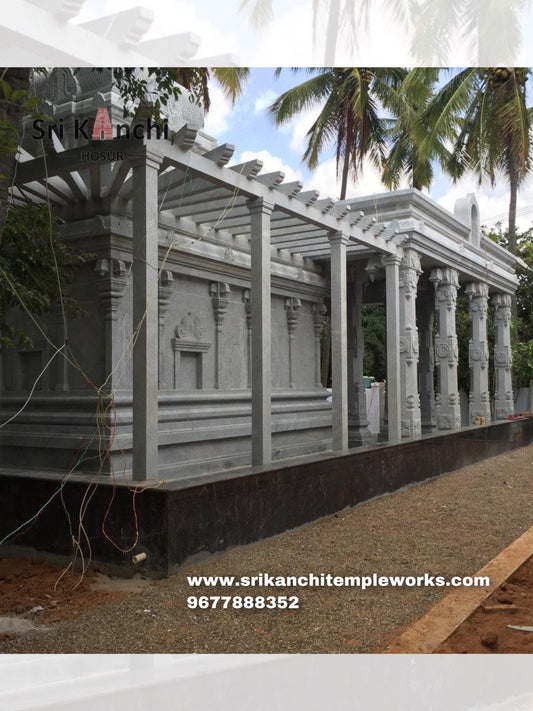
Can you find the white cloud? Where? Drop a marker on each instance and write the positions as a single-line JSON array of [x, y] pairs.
[[264, 100], [217, 118], [271, 164], [493, 203], [324, 179]]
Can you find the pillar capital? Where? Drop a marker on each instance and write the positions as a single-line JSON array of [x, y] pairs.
[[444, 276], [338, 237], [145, 157], [259, 205], [390, 260]]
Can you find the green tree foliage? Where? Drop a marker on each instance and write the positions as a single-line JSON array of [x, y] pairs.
[[350, 118], [31, 255], [375, 330], [522, 326], [483, 113]]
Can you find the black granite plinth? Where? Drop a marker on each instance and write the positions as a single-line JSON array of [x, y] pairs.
[[183, 520]]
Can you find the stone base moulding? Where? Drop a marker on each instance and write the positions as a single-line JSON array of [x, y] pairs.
[[186, 520]]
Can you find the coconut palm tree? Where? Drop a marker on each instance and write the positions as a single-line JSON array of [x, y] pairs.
[[342, 16], [484, 114], [405, 157], [350, 119], [488, 29], [484, 27]]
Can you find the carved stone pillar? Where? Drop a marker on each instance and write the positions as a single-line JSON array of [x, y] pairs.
[[166, 279], [292, 308], [358, 432], [409, 272], [446, 282], [248, 311], [220, 295], [503, 396], [478, 352], [426, 362], [319, 312], [112, 281]]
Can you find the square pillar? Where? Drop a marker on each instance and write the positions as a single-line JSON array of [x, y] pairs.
[[409, 273], [478, 352], [392, 287], [339, 353], [446, 282], [358, 433], [145, 315], [503, 396], [260, 212]]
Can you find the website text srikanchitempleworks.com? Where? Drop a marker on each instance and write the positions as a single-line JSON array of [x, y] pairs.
[[323, 580]]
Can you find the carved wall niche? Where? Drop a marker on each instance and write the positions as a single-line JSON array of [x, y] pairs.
[[189, 347]]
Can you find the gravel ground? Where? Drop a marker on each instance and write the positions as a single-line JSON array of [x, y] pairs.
[[452, 525]]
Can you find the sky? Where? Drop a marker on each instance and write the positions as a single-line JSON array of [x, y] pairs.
[[248, 127], [289, 39]]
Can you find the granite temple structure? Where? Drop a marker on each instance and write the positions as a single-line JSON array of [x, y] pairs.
[[199, 346]]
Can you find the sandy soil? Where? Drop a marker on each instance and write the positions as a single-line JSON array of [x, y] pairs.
[[486, 631], [452, 525]]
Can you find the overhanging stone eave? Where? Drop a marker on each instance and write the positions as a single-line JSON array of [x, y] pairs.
[[412, 204], [468, 267]]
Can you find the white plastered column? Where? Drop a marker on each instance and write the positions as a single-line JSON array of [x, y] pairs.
[[503, 396], [446, 282], [478, 352], [145, 316], [339, 352], [260, 299], [409, 273], [394, 406]]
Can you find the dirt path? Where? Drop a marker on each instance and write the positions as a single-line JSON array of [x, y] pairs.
[[449, 526], [486, 630]]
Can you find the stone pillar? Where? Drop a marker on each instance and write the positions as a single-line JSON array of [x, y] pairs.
[[260, 212], [478, 352], [112, 281], [426, 363], [446, 282], [166, 279], [292, 307], [358, 433], [392, 282], [339, 354], [319, 313], [503, 396], [248, 311], [145, 315], [220, 295], [409, 272]]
